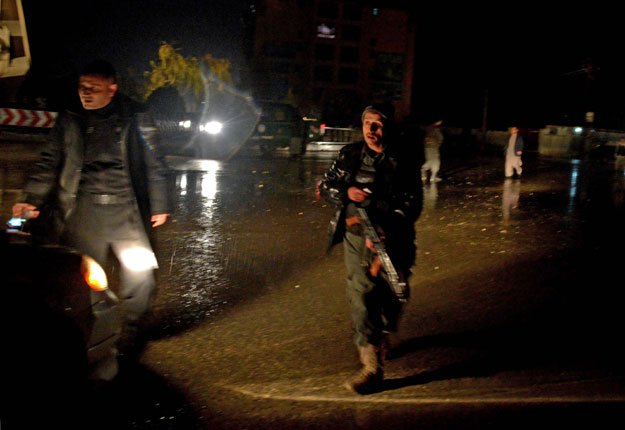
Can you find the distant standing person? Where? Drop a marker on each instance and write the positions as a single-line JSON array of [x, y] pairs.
[[619, 154], [432, 145], [513, 151]]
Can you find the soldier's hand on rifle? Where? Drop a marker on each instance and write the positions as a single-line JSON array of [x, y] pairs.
[[376, 266], [369, 244], [356, 194]]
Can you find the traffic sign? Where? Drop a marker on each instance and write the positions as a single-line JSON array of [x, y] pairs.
[[27, 117]]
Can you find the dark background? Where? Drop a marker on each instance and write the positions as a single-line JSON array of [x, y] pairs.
[[537, 64], [534, 65]]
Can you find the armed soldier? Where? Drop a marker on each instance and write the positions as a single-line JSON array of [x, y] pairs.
[[372, 175]]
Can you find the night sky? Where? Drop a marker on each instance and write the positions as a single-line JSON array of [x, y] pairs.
[[129, 32], [536, 65]]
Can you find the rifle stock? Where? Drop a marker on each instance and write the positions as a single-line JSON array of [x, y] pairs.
[[389, 273]]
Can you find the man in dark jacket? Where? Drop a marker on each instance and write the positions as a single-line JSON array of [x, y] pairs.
[[99, 184], [372, 174]]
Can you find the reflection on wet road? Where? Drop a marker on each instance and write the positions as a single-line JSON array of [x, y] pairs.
[[510, 282], [224, 209], [241, 226], [513, 297]]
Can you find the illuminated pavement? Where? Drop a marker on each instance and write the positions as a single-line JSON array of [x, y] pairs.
[[513, 320], [515, 317]]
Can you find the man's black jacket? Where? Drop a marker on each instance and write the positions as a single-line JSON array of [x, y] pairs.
[[53, 184]]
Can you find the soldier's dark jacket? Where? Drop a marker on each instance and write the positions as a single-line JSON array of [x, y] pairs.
[[397, 198]]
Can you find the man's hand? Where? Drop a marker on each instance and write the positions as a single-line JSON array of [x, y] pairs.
[[158, 219], [25, 210]]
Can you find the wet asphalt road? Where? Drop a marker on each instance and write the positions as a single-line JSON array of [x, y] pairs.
[[515, 317]]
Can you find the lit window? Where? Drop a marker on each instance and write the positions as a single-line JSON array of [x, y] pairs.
[[326, 32]]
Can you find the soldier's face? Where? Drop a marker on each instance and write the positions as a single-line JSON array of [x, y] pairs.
[[373, 131]]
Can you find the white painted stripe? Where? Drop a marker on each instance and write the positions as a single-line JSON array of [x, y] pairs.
[[620, 398]]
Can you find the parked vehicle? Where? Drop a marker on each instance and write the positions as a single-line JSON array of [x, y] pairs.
[[332, 139], [278, 124], [60, 320]]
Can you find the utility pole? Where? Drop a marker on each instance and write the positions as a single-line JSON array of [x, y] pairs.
[[485, 112], [484, 119]]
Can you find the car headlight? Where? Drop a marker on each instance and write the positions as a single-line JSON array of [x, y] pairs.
[[94, 274], [211, 127], [185, 124]]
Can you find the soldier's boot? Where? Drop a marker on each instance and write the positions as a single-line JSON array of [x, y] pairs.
[[386, 347], [371, 376], [391, 346]]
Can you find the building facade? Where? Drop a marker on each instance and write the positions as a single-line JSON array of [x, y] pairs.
[[328, 58]]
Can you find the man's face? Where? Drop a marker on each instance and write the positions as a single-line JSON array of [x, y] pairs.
[[373, 131], [95, 91]]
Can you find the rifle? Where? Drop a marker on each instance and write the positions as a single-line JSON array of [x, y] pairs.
[[388, 270]]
